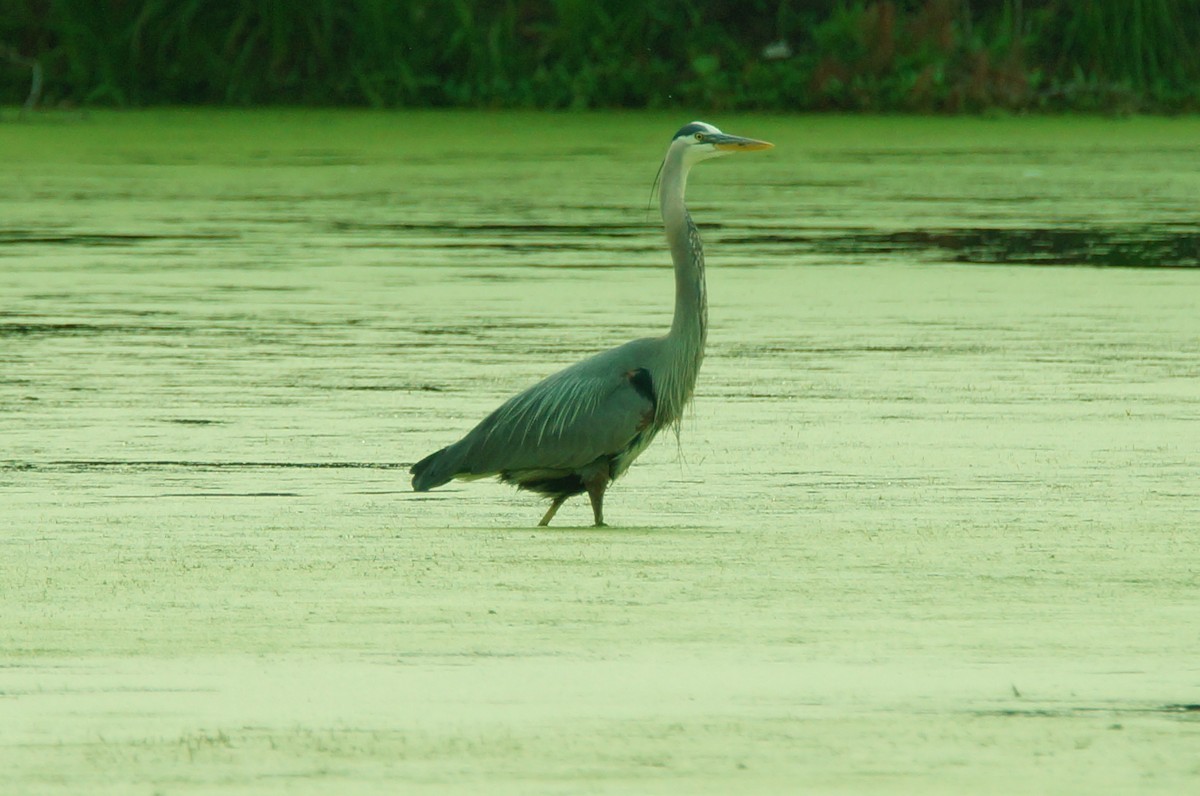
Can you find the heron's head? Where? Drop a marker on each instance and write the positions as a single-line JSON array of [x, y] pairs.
[[700, 141]]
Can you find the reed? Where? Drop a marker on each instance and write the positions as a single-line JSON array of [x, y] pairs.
[[920, 55], [1142, 48]]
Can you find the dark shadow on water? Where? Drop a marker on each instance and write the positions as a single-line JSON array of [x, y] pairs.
[[1161, 246], [1174, 709], [43, 237], [1167, 245], [51, 329], [221, 494], [1145, 246], [132, 465], [594, 229]]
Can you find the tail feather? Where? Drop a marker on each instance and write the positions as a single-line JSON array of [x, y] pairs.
[[434, 470]]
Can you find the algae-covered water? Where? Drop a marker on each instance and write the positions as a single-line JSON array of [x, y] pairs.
[[931, 527]]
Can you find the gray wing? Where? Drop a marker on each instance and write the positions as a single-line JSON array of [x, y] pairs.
[[564, 422]]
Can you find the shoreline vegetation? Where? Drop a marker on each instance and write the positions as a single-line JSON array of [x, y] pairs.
[[923, 56]]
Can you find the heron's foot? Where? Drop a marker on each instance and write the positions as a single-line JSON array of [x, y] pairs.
[[595, 489], [549, 515], [600, 524]]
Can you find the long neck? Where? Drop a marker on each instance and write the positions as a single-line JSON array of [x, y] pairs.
[[685, 341], [691, 307]]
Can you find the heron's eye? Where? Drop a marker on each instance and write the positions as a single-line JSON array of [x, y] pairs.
[[699, 137]]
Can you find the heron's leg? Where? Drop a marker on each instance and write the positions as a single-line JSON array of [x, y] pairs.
[[595, 489], [558, 501]]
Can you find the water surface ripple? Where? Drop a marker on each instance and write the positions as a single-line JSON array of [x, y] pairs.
[[930, 524]]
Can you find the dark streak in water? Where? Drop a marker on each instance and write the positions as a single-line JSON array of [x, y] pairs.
[[224, 494], [974, 153], [1145, 246], [25, 237], [782, 348], [1131, 247], [1068, 712], [598, 229], [93, 465], [382, 387], [81, 329]]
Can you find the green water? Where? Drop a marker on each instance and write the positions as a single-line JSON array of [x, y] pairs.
[[930, 526]]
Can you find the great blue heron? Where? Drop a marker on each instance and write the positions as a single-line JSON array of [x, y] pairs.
[[579, 429]]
